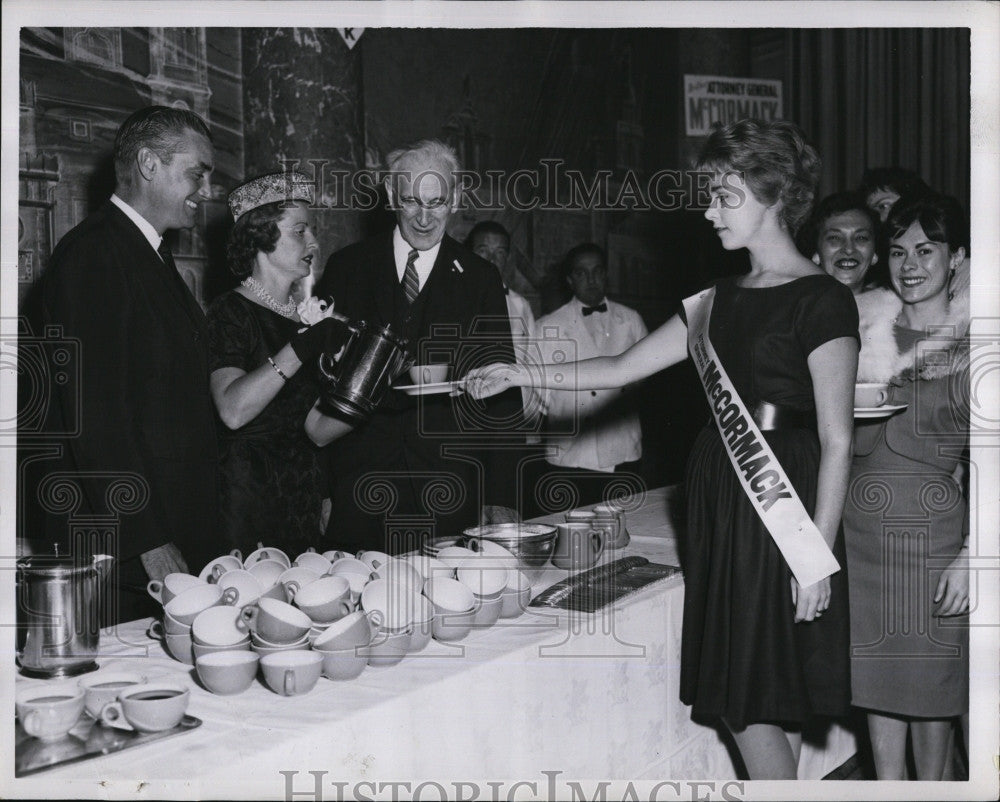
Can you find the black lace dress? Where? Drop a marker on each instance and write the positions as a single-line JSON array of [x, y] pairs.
[[743, 657], [271, 478]]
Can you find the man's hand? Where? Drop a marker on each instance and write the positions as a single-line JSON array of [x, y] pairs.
[[494, 514]]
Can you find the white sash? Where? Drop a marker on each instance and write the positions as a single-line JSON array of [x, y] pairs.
[[760, 474]]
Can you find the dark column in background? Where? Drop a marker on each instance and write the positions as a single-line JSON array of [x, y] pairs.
[[302, 99]]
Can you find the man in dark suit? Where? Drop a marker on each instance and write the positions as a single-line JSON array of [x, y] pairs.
[[425, 465], [146, 419]]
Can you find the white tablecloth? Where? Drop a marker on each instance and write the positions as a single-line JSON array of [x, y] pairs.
[[584, 696]]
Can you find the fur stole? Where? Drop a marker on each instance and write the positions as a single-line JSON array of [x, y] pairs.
[[881, 360]]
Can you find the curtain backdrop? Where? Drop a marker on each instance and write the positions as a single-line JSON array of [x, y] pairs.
[[883, 97]]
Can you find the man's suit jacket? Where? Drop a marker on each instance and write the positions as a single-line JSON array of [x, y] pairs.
[[460, 317], [143, 403]]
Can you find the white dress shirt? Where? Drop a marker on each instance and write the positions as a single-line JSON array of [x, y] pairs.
[[425, 259], [141, 222]]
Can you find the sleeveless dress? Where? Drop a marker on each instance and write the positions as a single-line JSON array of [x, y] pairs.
[[271, 479], [904, 521], [742, 656]]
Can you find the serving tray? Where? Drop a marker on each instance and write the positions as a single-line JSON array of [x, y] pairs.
[[591, 590], [86, 740]]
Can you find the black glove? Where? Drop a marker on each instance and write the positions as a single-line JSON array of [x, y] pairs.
[[325, 336]]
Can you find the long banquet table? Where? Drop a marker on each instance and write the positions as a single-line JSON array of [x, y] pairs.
[[588, 696]]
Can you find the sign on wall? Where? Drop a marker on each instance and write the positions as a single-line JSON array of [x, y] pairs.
[[710, 99]]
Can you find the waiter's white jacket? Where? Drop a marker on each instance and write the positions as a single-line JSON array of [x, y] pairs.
[[605, 422]]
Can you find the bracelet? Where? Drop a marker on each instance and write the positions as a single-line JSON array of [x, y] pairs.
[[277, 369]]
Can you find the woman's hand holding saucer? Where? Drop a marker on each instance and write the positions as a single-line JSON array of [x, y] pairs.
[[493, 379]]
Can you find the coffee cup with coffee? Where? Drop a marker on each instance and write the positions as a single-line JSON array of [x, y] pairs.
[[49, 712], [103, 687], [150, 707]]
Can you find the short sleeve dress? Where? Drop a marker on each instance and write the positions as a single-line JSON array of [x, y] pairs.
[[905, 520], [743, 657], [271, 479]]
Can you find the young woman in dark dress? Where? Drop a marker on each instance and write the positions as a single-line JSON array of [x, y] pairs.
[[760, 651], [263, 363]]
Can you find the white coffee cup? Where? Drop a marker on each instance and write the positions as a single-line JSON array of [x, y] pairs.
[[871, 394], [49, 712]]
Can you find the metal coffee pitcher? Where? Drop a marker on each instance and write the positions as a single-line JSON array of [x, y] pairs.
[[58, 611], [371, 360]]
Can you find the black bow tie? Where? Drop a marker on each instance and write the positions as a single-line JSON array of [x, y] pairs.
[[589, 310]]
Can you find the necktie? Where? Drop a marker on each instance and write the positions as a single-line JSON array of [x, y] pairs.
[[171, 265], [589, 310], [166, 255], [175, 276], [411, 284]]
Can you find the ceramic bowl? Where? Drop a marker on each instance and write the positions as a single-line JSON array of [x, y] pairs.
[[351, 631], [184, 607], [324, 600], [430, 566], [388, 648], [214, 569], [200, 649], [487, 611], [278, 622], [219, 626], [401, 572], [313, 561], [483, 579], [516, 596], [172, 584], [342, 664], [373, 559], [423, 625], [396, 603], [180, 647], [103, 686], [449, 595], [532, 544], [227, 673], [267, 553], [267, 572], [248, 585], [455, 556], [291, 673], [48, 712], [299, 575]]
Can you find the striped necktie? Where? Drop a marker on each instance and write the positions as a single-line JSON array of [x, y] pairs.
[[411, 284]]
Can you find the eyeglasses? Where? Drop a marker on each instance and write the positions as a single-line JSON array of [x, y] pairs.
[[411, 204]]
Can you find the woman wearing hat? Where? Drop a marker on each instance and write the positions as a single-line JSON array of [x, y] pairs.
[[263, 354]]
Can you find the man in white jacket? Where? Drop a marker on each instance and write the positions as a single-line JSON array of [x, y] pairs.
[[590, 433]]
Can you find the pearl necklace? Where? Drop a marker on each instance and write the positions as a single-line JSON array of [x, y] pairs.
[[285, 310]]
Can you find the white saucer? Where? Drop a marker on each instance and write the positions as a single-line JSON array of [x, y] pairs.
[[429, 389], [869, 413]]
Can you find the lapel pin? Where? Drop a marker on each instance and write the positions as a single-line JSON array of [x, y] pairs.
[[458, 267]]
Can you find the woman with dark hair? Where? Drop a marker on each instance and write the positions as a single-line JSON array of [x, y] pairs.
[[906, 518], [264, 349], [765, 638], [840, 237]]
